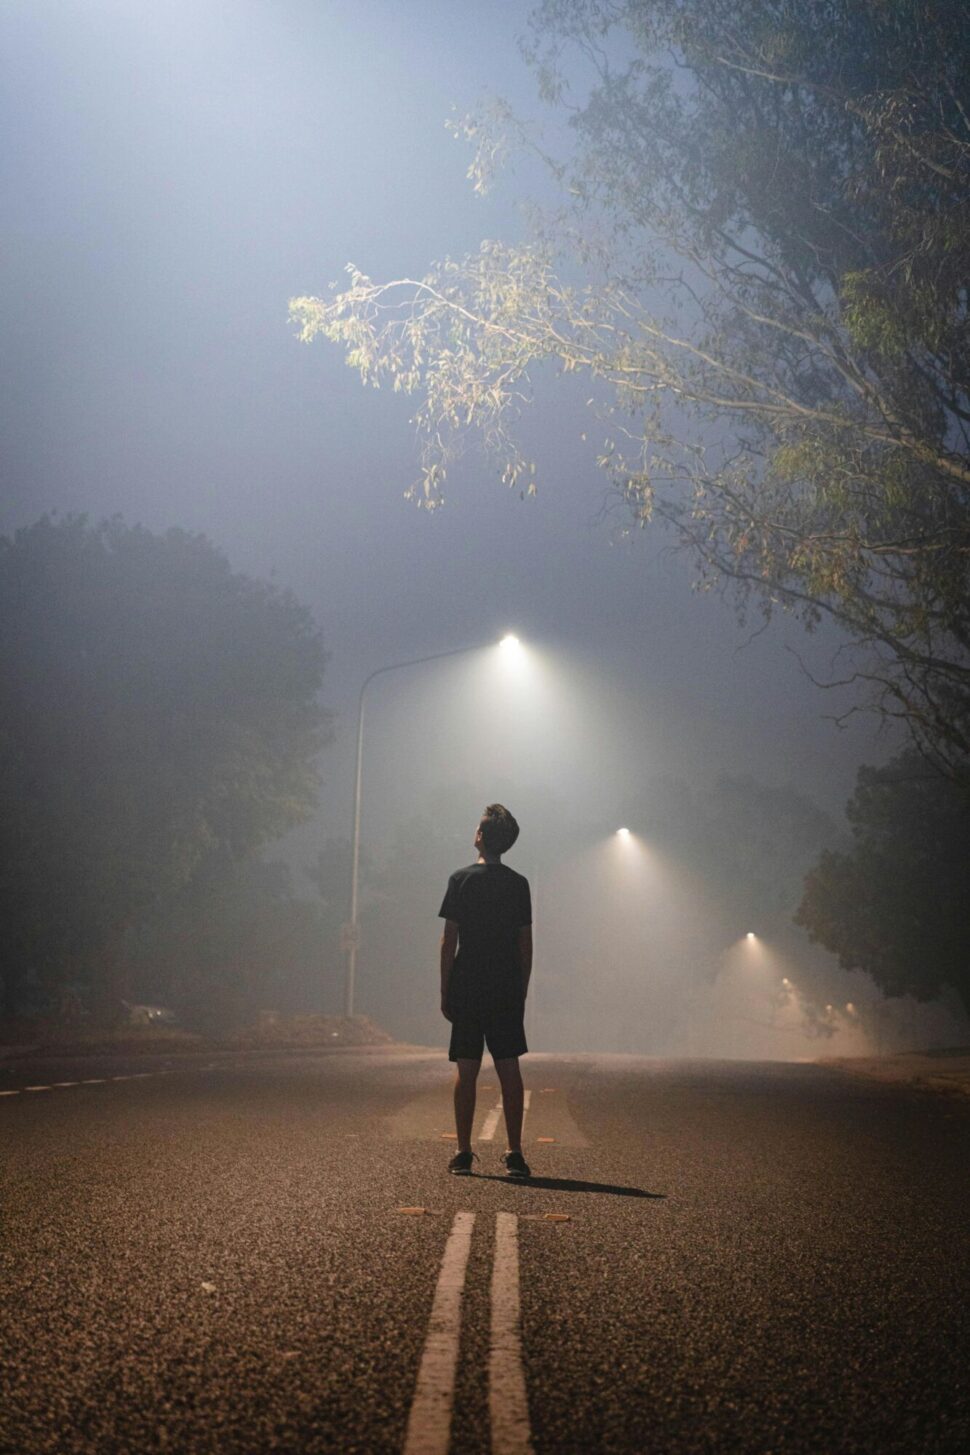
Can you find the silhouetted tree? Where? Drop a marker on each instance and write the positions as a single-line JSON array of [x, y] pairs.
[[762, 266], [747, 844], [235, 940], [894, 904], [156, 710]]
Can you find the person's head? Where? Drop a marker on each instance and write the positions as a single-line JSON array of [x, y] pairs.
[[497, 831]]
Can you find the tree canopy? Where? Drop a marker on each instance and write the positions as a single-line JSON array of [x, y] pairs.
[[236, 940], [894, 904], [747, 843], [156, 711], [762, 264]]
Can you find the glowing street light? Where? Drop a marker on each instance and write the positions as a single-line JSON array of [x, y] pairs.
[[623, 833], [350, 932], [751, 935]]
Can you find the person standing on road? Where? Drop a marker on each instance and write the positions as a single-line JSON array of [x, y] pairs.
[[486, 962]]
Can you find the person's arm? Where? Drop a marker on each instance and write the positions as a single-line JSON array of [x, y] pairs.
[[449, 947], [524, 946]]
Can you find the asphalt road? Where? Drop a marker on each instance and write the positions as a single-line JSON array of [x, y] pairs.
[[764, 1258]]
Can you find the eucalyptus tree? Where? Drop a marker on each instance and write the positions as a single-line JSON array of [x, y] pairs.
[[761, 263]]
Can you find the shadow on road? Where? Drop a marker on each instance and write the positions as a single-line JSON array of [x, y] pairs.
[[568, 1184]]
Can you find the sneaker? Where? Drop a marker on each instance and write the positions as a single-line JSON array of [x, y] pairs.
[[461, 1164], [516, 1165]]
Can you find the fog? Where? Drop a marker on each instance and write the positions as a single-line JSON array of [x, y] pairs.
[[638, 951], [173, 175]]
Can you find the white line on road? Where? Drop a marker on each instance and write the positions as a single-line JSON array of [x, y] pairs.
[[490, 1123], [507, 1402], [429, 1423], [93, 1081]]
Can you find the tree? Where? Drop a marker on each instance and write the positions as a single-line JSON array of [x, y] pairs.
[[894, 904], [762, 265], [156, 711], [748, 845], [234, 941]]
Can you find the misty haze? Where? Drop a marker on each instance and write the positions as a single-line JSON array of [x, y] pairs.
[[415, 410]]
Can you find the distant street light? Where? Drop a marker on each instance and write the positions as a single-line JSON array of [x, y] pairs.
[[350, 932], [623, 833], [751, 935]]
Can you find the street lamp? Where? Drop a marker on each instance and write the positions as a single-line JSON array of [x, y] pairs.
[[350, 934]]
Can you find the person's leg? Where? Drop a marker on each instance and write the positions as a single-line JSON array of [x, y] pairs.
[[510, 1078], [465, 1101]]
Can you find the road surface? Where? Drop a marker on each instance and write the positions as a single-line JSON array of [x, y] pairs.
[[218, 1256]]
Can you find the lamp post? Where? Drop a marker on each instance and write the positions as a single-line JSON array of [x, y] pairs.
[[351, 933]]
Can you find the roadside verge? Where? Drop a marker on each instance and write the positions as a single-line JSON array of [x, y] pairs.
[[945, 1070], [270, 1032]]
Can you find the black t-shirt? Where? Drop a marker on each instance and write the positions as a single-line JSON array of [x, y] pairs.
[[490, 903]]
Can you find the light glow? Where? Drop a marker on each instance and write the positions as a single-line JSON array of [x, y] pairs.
[[623, 833], [510, 641]]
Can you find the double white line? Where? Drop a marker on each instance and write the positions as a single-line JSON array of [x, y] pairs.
[[429, 1423]]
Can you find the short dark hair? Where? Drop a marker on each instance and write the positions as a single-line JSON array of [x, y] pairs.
[[499, 829]]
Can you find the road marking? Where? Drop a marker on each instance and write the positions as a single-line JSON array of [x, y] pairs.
[[507, 1402], [99, 1081], [490, 1123], [429, 1423]]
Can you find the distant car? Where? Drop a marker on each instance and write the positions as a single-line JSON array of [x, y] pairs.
[[149, 1015]]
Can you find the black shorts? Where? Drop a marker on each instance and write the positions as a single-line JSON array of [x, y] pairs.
[[504, 1035]]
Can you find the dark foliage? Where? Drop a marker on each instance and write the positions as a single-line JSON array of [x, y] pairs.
[[895, 904], [156, 711]]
